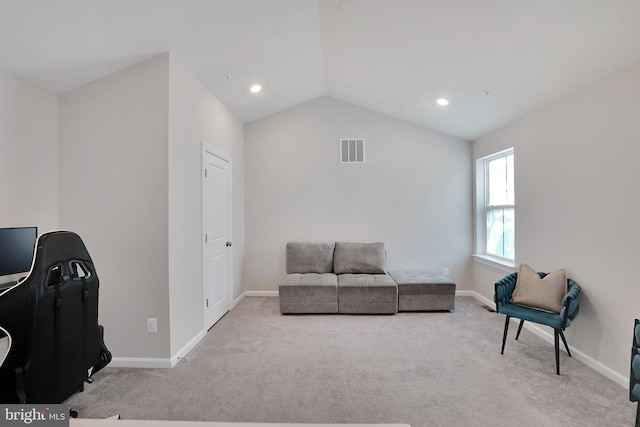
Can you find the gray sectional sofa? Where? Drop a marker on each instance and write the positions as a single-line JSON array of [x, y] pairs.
[[351, 278]]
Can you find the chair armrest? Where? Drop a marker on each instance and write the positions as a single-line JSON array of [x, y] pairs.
[[570, 303], [504, 290]]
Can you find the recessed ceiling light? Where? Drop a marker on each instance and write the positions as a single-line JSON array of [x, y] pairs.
[[255, 88], [442, 101]]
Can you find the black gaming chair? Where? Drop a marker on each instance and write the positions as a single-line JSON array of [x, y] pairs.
[[52, 318]]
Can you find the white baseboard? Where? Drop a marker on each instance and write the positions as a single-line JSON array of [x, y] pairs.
[[182, 353], [477, 296], [255, 294], [144, 362], [579, 355], [156, 363], [261, 293], [153, 363], [548, 336], [140, 362]]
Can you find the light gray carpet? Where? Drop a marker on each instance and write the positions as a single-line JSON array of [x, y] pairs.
[[424, 369]]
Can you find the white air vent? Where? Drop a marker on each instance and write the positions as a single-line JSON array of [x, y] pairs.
[[352, 150]]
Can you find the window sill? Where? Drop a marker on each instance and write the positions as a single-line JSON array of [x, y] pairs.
[[497, 263]]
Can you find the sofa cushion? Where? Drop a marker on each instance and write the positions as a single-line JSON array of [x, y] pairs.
[[369, 258], [416, 282], [309, 280], [305, 257]]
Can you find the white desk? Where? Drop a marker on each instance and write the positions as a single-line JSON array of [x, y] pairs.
[[153, 423]]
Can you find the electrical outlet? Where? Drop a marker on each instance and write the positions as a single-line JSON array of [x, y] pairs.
[[445, 272], [152, 324]]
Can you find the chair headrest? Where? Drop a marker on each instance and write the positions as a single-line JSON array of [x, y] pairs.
[[60, 246]]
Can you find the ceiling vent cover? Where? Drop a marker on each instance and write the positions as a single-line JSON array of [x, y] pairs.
[[352, 150]]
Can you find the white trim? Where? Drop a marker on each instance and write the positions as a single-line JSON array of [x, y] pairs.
[[182, 353], [215, 151], [502, 264], [139, 362], [477, 296], [135, 362], [261, 293], [579, 355], [157, 362], [208, 148], [547, 336], [255, 294], [497, 155], [481, 202], [237, 301]]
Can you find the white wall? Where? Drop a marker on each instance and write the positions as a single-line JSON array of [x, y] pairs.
[[131, 187], [113, 192], [413, 192], [577, 204], [196, 115], [28, 155]]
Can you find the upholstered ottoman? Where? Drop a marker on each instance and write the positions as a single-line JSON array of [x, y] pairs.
[[367, 294], [424, 291], [310, 285]]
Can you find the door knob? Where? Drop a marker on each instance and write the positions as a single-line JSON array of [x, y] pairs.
[[229, 243]]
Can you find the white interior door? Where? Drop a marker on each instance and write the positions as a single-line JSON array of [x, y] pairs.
[[216, 214]]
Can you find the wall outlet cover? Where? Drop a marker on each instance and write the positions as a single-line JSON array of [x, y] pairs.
[[152, 325]]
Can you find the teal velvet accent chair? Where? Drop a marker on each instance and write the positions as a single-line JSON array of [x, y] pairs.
[[634, 378], [558, 321]]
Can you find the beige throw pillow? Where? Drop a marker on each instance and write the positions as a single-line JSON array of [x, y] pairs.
[[544, 294]]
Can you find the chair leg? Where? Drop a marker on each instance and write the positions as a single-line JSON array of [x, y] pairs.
[[565, 342], [504, 335], [519, 329], [557, 343]]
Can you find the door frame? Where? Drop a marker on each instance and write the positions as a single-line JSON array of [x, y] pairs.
[[208, 148]]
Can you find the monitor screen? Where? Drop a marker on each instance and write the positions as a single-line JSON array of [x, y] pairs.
[[16, 249]]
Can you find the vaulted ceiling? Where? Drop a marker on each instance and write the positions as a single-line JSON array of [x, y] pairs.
[[495, 60]]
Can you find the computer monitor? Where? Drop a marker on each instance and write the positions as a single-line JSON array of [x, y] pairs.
[[16, 249]]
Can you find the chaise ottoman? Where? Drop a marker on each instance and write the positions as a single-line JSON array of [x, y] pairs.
[[424, 291]]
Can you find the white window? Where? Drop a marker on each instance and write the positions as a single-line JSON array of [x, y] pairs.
[[496, 218]]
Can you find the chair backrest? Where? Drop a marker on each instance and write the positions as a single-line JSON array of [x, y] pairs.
[[572, 301], [52, 316], [634, 377]]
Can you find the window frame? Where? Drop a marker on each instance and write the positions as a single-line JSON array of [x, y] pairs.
[[484, 206]]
